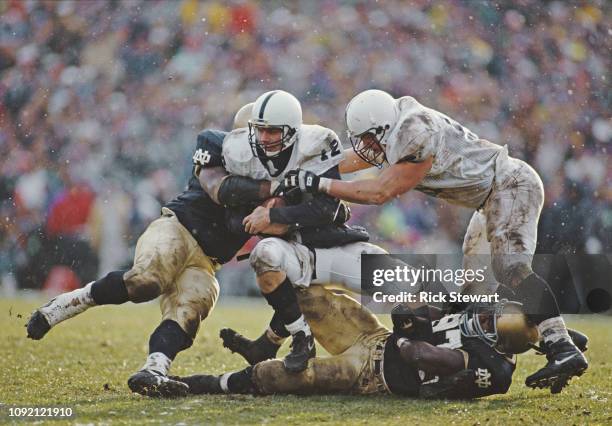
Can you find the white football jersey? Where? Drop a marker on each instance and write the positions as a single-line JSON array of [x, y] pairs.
[[463, 166], [317, 149]]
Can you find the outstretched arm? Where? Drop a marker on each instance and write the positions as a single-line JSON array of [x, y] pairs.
[[393, 181], [352, 162]]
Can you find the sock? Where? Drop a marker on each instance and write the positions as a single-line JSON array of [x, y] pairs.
[[299, 325], [277, 332], [110, 290], [67, 305], [284, 302], [553, 330], [238, 382], [169, 339], [158, 362], [539, 302], [274, 338]]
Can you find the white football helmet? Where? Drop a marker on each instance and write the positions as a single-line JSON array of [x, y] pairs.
[[370, 116], [242, 117], [275, 109]]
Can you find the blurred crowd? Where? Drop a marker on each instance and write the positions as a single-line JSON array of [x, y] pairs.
[[101, 102]]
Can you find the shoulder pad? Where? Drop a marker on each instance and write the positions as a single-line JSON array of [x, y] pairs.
[[238, 157], [208, 148], [319, 148]]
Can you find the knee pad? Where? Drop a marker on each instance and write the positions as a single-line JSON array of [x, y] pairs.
[[142, 285], [268, 255]]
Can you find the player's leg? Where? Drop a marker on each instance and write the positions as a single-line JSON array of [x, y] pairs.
[[337, 321], [512, 217], [266, 346], [477, 255], [139, 284], [184, 302], [328, 375], [342, 265], [279, 265]]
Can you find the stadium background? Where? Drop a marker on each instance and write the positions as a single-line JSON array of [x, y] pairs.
[[100, 104]]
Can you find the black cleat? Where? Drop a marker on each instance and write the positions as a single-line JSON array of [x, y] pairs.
[[151, 383], [253, 351], [302, 349], [37, 326], [564, 362], [200, 384]]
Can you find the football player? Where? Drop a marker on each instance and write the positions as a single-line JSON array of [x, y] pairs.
[[464, 355], [317, 248], [176, 259], [428, 151]]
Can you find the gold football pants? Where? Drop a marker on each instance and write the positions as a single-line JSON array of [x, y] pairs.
[[169, 263], [348, 331]]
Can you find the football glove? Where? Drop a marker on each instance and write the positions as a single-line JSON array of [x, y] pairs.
[[412, 324], [303, 179]]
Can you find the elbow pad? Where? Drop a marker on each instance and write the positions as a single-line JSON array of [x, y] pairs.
[[240, 190]]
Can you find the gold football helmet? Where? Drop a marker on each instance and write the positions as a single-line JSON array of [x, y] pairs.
[[503, 326]]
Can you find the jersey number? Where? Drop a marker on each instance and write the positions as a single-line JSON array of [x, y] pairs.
[[452, 334], [335, 150]]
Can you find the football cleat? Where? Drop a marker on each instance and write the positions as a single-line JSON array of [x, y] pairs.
[[200, 384], [37, 326], [564, 362], [151, 383], [253, 351], [302, 349]]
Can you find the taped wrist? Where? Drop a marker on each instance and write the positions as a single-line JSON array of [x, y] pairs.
[[239, 190]]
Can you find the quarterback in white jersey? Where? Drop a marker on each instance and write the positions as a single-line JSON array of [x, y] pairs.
[[430, 152]]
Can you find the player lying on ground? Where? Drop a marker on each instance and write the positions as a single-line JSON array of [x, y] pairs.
[[176, 258], [464, 355], [430, 152], [318, 248]]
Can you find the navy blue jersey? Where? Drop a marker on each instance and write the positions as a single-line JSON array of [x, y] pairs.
[[198, 213], [492, 370]]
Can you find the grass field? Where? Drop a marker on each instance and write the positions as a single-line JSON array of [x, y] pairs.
[[84, 364]]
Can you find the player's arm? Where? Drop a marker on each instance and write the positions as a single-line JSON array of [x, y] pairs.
[[235, 218], [392, 182], [431, 359], [487, 373], [223, 188], [315, 209], [231, 190], [352, 162]]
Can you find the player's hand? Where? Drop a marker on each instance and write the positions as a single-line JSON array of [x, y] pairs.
[[411, 323], [303, 179], [257, 221]]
